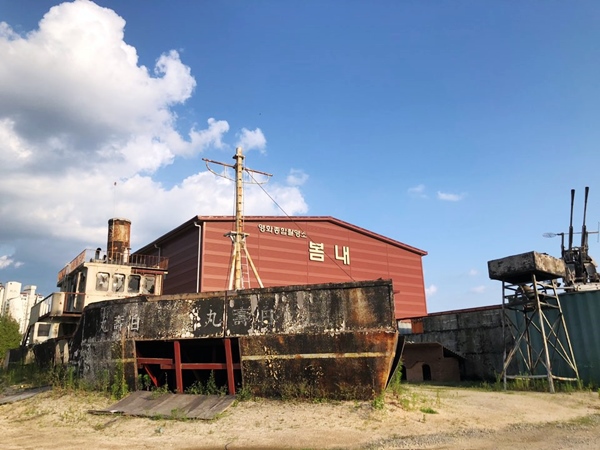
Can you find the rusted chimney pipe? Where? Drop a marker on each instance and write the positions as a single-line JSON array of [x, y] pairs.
[[118, 244]]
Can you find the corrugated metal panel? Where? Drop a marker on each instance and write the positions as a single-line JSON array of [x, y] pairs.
[[582, 316], [280, 248], [183, 258], [581, 311]]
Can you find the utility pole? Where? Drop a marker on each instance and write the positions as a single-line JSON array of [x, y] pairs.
[[238, 237]]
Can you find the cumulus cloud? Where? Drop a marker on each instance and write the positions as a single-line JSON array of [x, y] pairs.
[[431, 290], [6, 261], [251, 139], [78, 112], [478, 289], [417, 191], [445, 196], [473, 272], [296, 177]]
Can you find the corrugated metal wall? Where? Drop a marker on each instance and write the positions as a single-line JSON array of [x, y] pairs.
[[582, 316], [288, 252], [335, 255], [477, 335]]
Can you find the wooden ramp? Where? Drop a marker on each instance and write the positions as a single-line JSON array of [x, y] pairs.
[[22, 394], [170, 406]]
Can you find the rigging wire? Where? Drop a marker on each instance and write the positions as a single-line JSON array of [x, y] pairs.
[[298, 225]]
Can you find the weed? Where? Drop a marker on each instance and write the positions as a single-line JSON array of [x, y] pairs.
[[119, 387], [428, 410], [211, 384], [178, 414], [197, 388], [210, 388], [395, 386], [144, 382], [157, 391], [438, 399], [244, 393], [378, 402]]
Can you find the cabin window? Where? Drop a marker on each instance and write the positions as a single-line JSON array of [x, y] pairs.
[[102, 281], [43, 330], [148, 285], [133, 285], [118, 283]]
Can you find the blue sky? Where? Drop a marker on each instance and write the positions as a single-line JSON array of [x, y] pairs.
[[458, 127]]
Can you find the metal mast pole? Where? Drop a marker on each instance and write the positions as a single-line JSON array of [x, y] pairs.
[[238, 237], [239, 207]]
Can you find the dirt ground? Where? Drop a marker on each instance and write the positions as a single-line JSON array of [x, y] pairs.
[[418, 418]]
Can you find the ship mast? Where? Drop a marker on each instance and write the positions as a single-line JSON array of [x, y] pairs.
[[238, 237]]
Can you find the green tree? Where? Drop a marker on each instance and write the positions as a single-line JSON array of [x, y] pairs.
[[9, 335]]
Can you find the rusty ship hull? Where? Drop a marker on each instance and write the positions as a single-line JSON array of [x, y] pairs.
[[335, 340]]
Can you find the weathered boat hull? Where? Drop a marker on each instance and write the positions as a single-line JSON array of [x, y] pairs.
[[344, 366], [329, 340]]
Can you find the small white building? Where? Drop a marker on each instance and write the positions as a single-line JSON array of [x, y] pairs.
[[17, 303]]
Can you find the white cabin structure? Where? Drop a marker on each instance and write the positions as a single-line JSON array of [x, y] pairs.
[[94, 276]]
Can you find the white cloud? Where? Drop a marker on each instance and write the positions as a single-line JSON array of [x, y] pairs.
[[77, 113], [296, 177], [431, 290], [418, 191], [478, 289], [450, 197], [251, 139], [473, 272], [6, 261]]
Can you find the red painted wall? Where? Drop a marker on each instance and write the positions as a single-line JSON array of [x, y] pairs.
[[298, 251], [282, 259]]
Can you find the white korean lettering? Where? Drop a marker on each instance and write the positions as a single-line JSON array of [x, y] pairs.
[[344, 256], [316, 251]]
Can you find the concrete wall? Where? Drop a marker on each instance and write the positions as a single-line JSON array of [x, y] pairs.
[[475, 334]]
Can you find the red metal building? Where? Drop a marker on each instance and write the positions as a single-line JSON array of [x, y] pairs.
[[290, 251]]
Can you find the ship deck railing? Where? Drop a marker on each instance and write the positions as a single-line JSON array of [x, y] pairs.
[[123, 259]]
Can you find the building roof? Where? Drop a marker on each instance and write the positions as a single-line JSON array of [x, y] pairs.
[[204, 219]]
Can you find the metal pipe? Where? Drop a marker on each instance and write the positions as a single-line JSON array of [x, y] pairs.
[[199, 253], [571, 220], [583, 228]]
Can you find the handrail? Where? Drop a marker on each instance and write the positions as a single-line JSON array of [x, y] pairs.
[[100, 256]]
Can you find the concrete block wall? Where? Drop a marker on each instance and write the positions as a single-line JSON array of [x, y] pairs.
[[475, 334]]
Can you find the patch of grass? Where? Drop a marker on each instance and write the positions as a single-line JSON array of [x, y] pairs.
[[395, 385], [243, 394], [208, 388], [119, 387], [525, 384], [178, 414], [143, 382], [378, 402], [428, 410], [157, 391]]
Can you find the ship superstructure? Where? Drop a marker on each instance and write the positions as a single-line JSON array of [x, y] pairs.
[[93, 276]]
